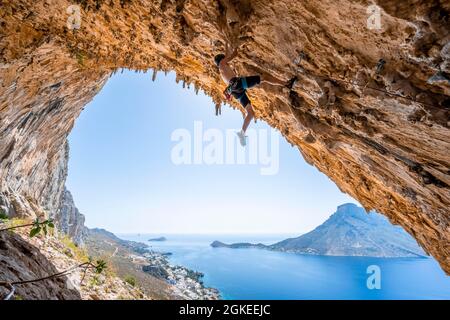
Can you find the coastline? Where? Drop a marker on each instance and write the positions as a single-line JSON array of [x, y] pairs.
[[187, 283], [270, 274], [149, 269], [260, 246]]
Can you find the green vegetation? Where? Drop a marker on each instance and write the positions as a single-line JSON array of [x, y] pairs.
[[41, 226], [77, 252], [3, 215], [95, 281], [79, 55], [100, 266], [37, 226], [15, 222], [84, 261], [130, 280], [80, 58]]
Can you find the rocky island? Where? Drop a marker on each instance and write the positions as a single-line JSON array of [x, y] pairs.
[[240, 245], [158, 239], [350, 231]]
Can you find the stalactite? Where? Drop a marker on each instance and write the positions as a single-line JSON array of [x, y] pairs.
[[218, 109]]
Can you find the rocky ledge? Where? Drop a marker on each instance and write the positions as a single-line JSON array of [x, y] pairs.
[[23, 258]]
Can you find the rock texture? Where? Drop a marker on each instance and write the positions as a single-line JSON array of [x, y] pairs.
[[379, 130], [21, 261], [69, 220], [24, 258]]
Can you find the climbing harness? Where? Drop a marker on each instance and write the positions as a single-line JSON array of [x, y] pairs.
[[232, 87]]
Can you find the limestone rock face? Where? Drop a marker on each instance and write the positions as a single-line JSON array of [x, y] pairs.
[[371, 109], [69, 220], [22, 261]]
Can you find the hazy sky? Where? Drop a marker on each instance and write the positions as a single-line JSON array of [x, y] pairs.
[[123, 177]]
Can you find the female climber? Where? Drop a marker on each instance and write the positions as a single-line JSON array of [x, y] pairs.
[[237, 86]]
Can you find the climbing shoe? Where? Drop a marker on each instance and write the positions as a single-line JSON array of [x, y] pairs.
[[241, 136]]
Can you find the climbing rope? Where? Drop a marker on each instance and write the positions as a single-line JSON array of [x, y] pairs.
[[381, 90], [11, 285], [11, 292], [379, 68]]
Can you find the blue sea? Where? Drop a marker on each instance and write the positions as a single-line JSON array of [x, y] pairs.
[[263, 274]]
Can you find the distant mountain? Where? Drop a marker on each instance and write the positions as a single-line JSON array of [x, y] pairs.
[[350, 231], [98, 236]]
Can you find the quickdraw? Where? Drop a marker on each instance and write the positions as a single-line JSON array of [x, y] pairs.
[[227, 93]]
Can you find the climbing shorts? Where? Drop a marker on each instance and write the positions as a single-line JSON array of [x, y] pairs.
[[250, 82], [240, 85]]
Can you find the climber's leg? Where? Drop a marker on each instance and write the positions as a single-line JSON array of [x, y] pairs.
[[245, 102], [249, 117]]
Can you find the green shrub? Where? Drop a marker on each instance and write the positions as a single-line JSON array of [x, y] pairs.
[[39, 226], [95, 281], [79, 253], [3, 215], [130, 280]]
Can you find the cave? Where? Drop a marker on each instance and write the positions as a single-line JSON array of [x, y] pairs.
[[370, 109]]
